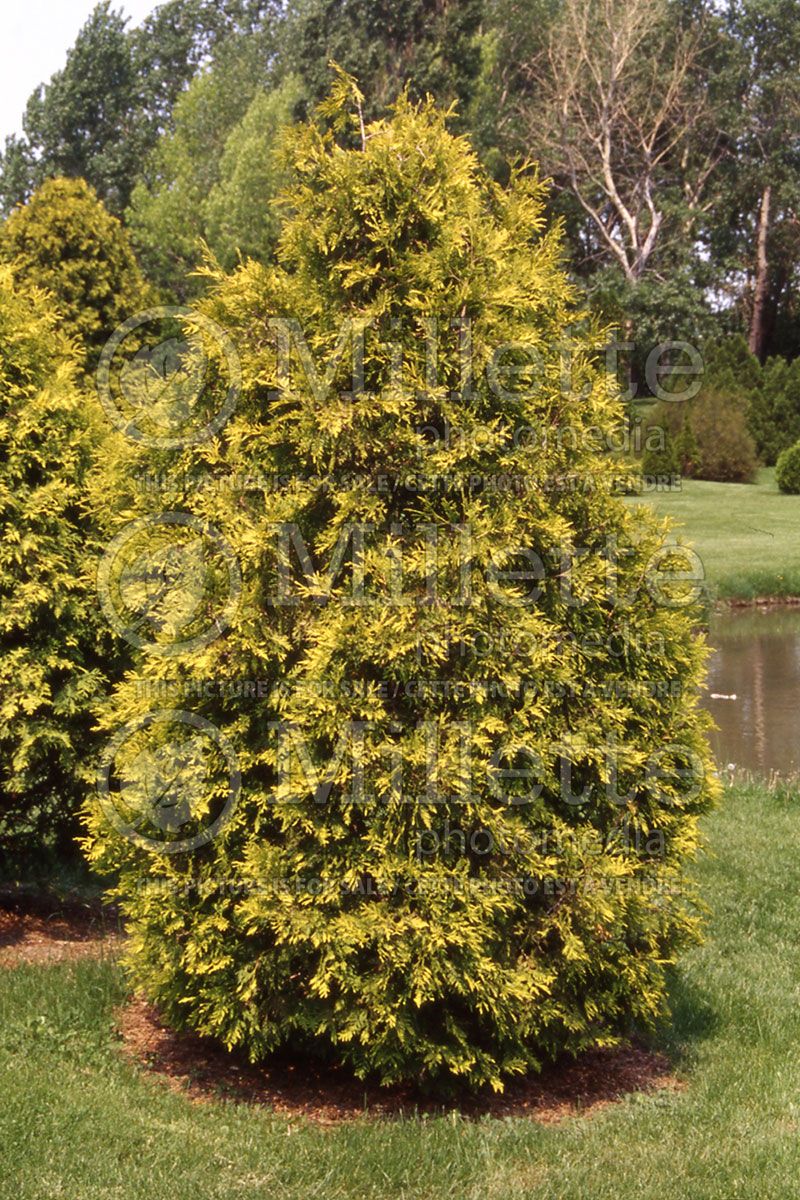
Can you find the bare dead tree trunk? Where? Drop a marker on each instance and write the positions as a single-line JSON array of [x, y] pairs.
[[612, 119], [756, 340]]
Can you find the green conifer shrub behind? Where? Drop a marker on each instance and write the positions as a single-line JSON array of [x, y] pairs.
[[687, 450], [65, 241], [769, 394], [661, 461], [787, 471], [470, 778], [729, 366], [774, 409], [51, 642]]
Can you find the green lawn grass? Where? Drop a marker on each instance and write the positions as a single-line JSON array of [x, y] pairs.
[[747, 535], [77, 1121]]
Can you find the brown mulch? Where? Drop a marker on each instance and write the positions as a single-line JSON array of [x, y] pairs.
[[204, 1071], [40, 937], [327, 1096]]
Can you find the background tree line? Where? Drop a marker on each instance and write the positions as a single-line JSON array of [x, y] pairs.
[[668, 129]]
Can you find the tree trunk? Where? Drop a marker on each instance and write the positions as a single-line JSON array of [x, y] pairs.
[[756, 340]]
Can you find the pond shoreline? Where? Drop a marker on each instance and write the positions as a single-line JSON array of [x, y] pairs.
[[728, 602], [746, 536]]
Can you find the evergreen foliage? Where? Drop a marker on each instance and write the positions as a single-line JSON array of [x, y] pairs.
[[51, 642], [774, 410], [431, 46], [661, 460], [787, 471], [705, 438], [711, 435], [727, 452], [770, 395], [65, 242], [455, 918], [687, 450], [729, 367]]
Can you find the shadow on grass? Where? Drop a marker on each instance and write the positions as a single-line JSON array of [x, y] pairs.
[[40, 928], [692, 1021]]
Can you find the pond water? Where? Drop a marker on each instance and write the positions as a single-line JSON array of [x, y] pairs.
[[754, 688]]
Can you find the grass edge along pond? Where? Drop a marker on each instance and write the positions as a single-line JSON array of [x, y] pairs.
[[746, 534], [78, 1120]]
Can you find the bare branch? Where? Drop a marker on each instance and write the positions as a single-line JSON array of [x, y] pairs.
[[618, 117]]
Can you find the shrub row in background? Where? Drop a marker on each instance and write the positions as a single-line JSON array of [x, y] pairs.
[[743, 415]]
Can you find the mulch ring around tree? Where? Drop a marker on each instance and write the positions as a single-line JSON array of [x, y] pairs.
[[206, 1072], [37, 931]]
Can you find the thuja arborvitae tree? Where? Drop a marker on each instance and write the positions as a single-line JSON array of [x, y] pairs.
[[773, 415], [459, 678], [65, 241], [51, 641]]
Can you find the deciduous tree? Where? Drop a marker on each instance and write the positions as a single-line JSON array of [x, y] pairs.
[[620, 114]]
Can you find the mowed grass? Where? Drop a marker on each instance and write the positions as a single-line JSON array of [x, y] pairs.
[[747, 535], [80, 1122]]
